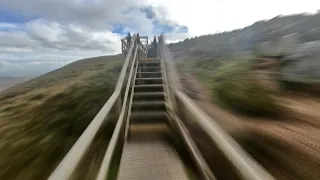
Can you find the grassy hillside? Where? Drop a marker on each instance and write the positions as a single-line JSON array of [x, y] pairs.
[[286, 145], [6, 82], [232, 84], [306, 26], [42, 118]]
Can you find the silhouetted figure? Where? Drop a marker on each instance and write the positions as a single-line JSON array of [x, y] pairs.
[[129, 38], [154, 42], [138, 39]]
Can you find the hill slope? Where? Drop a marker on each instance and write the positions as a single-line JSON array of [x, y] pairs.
[[244, 40], [42, 118], [6, 82]]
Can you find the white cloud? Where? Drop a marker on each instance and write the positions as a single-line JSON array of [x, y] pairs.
[[69, 30], [41, 38], [43, 29], [41, 46], [94, 13], [211, 16]]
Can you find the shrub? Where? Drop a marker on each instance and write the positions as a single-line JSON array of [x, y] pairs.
[[42, 118], [235, 87]]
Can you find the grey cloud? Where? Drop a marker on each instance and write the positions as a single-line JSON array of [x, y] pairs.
[[94, 14], [137, 21], [41, 36], [16, 39], [53, 35], [161, 14], [44, 30], [71, 26], [69, 30]]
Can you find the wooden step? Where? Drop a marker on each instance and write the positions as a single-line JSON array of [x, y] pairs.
[[149, 63], [142, 117], [149, 80], [148, 88], [148, 105], [158, 128], [149, 69], [148, 96], [149, 59], [149, 74]]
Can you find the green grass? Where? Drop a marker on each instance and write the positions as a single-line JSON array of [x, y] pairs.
[[41, 119], [233, 85]]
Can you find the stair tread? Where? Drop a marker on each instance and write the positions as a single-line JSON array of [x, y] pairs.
[[148, 93], [148, 102], [157, 78], [149, 62], [149, 96], [147, 117], [151, 72], [148, 113], [149, 85], [148, 72], [150, 59], [148, 105], [152, 128], [150, 67]]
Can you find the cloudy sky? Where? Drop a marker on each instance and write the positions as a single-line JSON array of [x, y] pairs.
[[37, 36]]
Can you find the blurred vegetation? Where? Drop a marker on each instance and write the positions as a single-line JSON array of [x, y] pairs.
[[244, 40], [41, 119], [233, 85]]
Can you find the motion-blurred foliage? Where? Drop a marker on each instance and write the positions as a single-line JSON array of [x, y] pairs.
[[41, 119], [233, 85], [236, 87]]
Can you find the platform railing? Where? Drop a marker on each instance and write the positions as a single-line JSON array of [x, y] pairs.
[[70, 162], [120, 129], [187, 110], [181, 108]]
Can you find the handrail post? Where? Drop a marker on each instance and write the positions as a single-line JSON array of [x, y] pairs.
[[246, 167], [170, 73], [70, 162], [118, 105], [106, 162]]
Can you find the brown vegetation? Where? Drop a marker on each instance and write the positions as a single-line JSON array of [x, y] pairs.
[[41, 119], [286, 145]]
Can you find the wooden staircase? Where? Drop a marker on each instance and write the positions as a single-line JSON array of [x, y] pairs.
[[147, 154]]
